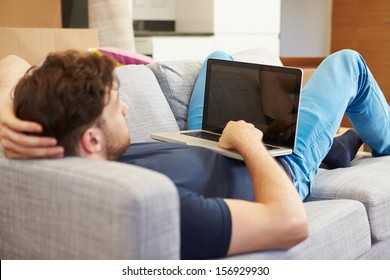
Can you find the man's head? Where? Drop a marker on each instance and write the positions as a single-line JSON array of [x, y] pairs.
[[74, 97]]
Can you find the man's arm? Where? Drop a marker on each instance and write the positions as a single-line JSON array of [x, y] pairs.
[[277, 218], [15, 142]]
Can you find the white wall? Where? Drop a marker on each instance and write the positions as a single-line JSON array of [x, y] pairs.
[[304, 30], [227, 17], [305, 27], [153, 9], [195, 16]]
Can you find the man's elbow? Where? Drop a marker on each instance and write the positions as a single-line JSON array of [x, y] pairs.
[[296, 231], [301, 231]]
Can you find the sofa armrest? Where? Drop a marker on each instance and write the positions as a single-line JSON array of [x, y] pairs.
[[75, 208]]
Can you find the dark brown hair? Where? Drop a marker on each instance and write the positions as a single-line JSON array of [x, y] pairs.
[[66, 95]]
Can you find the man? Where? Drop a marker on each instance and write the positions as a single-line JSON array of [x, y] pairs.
[[276, 218], [74, 97]]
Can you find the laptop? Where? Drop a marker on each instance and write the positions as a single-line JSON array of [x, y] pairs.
[[264, 95]]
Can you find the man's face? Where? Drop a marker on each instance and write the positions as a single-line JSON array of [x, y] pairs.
[[114, 126]]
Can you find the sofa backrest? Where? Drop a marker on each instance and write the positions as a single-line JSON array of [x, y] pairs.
[[148, 108], [177, 79]]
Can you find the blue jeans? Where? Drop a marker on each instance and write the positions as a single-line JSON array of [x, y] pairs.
[[341, 84]]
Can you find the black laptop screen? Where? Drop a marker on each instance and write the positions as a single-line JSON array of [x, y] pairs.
[[267, 96]]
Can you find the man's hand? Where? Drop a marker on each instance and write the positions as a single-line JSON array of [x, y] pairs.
[[13, 132], [240, 136], [18, 145]]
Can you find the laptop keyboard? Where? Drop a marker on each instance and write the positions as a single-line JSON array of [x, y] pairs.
[[203, 135], [215, 137], [270, 147]]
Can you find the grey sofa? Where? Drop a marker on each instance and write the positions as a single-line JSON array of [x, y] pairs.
[[75, 208]]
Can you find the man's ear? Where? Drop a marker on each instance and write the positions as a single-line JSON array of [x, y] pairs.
[[91, 141]]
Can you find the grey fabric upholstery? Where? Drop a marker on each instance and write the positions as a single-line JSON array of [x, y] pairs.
[[83, 209], [148, 109], [177, 80], [331, 233], [378, 251], [366, 182]]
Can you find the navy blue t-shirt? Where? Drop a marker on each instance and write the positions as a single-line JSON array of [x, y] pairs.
[[203, 178]]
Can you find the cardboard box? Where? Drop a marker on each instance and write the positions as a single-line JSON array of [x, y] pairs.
[[30, 13], [33, 44]]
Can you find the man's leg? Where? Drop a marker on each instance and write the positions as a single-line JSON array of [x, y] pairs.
[[195, 110], [344, 149], [342, 83]]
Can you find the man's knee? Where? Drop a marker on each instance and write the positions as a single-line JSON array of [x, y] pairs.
[[220, 55], [348, 54]]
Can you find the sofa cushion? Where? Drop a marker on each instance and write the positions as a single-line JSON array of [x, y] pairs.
[[338, 229], [177, 80], [378, 251], [367, 181], [148, 109]]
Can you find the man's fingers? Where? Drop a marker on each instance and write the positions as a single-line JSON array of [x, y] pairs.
[[37, 154], [23, 126], [18, 145], [234, 133], [18, 152], [21, 139], [8, 119]]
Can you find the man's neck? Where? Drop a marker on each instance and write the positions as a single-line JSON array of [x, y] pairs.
[[94, 156]]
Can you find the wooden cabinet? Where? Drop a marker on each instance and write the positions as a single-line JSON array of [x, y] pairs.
[[32, 13], [364, 25]]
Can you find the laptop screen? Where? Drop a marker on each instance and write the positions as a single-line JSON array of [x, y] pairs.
[[266, 96]]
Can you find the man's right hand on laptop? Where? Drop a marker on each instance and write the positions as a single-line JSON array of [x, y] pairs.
[[240, 136]]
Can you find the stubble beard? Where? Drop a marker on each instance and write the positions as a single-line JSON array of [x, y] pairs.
[[114, 149]]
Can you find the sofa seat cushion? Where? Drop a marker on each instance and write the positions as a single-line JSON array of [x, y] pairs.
[[338, 229], [148, 109], [177, 79], [378, 251], [368, 181]]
